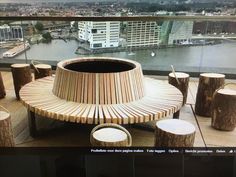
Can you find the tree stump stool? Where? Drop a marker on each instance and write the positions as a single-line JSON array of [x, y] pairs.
[[6, 134], [224, 109], [2, 88], [181, 84], [42, 70], [110, 135], [174, 133], [21, 74], [208, 84]]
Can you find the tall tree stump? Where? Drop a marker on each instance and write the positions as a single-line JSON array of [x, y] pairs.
[[2, 88], [224, 109], [181, 84], [42, 70], [6, 134], [208, 84], [174, 133], [110, 135], [21, 74]]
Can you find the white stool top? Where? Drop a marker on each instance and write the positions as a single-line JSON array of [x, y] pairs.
[[227, 91], [19, 65], [4, 115], [179, 75], [176, 126], [212, 75], [110, 135], [43, 66]]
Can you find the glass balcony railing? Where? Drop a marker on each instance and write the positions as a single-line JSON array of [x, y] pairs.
[[189, 43]]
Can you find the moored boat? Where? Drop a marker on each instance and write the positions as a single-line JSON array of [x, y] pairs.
[[16, 50]]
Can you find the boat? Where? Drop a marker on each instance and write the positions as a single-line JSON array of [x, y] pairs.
[[16, 50], [131, 53], [186, 43]]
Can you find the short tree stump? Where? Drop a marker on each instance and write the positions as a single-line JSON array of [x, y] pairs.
[[174, 133], [208, 84]]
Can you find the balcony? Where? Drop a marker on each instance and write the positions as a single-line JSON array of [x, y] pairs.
[[68, 134], [205, 52]]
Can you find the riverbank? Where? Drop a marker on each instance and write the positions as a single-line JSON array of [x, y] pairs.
[[194, 59], [84, 48]]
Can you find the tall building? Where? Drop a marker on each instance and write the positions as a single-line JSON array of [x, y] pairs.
[[181, 32], [8, 33], [100, 34], [143, 33], [83, 30], [166, 27]]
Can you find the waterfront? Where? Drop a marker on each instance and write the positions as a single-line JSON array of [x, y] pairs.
[[211, 58]]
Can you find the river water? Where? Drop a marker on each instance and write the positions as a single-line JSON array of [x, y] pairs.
[[212, 58]]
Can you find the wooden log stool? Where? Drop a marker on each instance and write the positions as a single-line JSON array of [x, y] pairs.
[[21, 74], [174, 133], [179, 80], [110, 135], [6, 134], [224, 109], [42, 70], [208, 84], [2, 88]]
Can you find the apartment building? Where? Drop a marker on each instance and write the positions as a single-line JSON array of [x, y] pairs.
[[143, 33], [181, 32], [100, 34], [8, 33]]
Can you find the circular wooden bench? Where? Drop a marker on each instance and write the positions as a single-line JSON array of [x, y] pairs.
[[110, 135], [84, 91], [208, 84], [174, 133]]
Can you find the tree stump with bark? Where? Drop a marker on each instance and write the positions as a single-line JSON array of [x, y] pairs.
[[42, 70], [6, 134], [208, 84], [174, 133], [21, 74], [110, 135], [181, 81], [224, 109], [2, 88]]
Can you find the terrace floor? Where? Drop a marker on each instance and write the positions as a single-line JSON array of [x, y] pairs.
[[70, 134]]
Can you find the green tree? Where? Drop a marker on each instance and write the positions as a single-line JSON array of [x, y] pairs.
[[47, 37], [39, 26]]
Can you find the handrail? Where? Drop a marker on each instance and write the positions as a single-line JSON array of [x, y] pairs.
[[121, 18]]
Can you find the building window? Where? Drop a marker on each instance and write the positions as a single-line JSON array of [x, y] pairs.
[[94, 30], [97, 45]]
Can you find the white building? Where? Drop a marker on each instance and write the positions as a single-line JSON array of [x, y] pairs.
[[8, 33], [100, 34], [83, 30], [143, 33], [181, 32]]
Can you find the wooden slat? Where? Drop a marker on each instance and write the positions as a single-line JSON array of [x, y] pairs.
[[101, 90]]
